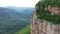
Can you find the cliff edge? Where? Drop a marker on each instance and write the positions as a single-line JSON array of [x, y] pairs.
[[46, 18]]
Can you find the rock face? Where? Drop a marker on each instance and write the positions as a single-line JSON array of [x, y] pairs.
[[39, 26], [53, 10]]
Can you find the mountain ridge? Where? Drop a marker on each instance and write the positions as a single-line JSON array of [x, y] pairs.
[[12, 20]]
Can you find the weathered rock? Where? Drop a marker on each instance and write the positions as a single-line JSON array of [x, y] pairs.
[[43, 27]]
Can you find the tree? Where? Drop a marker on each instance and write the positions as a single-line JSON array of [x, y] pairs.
[[45, 14]]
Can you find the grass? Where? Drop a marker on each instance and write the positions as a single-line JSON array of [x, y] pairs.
[[25, 30]]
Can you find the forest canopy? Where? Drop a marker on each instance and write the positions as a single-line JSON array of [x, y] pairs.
[[46, 14]]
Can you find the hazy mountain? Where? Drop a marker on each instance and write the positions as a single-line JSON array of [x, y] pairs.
[[12, 20], [27, 11]]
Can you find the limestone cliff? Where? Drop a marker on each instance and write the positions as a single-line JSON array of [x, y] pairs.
[[41, 26]]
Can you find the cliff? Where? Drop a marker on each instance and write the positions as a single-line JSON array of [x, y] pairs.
[[45, 20]]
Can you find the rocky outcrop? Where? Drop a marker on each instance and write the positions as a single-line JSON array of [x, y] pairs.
[[39, 26], [44, 25]]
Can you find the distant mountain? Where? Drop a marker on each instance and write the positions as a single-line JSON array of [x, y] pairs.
[[12, 20], [27, 11], [9, 13]]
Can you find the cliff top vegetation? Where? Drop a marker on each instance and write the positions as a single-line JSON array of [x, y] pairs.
[[44, 14]]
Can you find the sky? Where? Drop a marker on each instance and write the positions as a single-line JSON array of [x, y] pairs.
[[18, 3]]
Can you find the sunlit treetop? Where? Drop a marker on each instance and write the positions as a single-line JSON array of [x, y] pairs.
[[49, 2]]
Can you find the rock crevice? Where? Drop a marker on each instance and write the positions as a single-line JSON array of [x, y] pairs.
[[43, 27]]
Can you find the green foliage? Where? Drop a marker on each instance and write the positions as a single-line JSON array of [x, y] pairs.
[[25, 30], [48, 2], [12, 25], [45, 14], [12, 20]]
